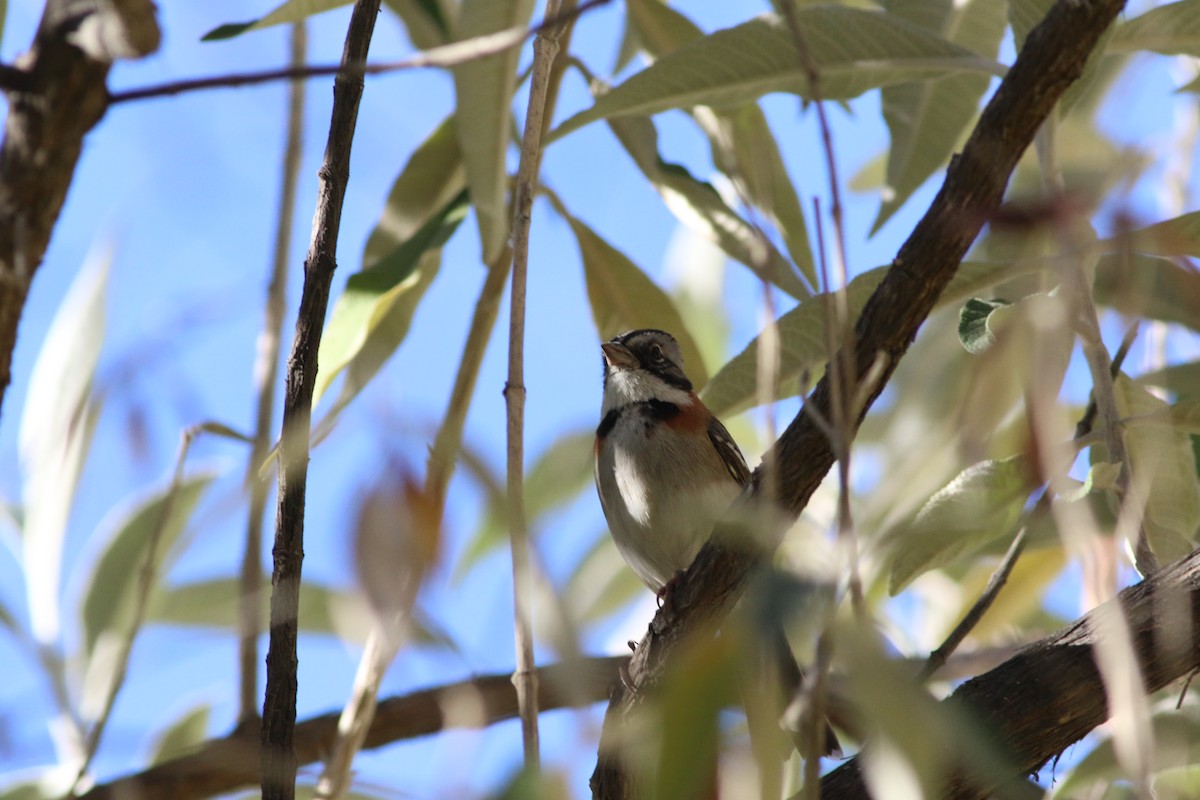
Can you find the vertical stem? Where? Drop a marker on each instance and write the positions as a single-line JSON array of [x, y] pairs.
[[279, 706], [266, 368], [545, 48]]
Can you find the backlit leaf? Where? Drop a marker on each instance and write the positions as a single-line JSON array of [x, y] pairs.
[[290, 11], [483, 113], [188, 731], [1171, 29], [733, 66]]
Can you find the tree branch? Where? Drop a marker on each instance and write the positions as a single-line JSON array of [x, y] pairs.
[[279, 706], [1052, 58], [57, 98], [1050, 694], [227, 764]]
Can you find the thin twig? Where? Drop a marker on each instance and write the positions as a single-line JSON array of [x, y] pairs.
[[448, 55], [279, 707], [145, 578], [266, 370], [545, 48]]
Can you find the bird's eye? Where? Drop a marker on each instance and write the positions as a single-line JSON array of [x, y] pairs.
[[656, 354]]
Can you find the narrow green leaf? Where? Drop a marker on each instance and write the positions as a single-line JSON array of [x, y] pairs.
[[424, 21], [372, 316], [1171, 29], [926, 120], [55, 436], [433, 176], [698, 205], [982, 504], [111, 583], [622, 297], [185, 734], [1148, 286], [290, 11], [973, 330], [660, 29], [484, 92], [1182, 380], [600, 584], [802, 335], [215, 603], [1176, 744], [1164, 466], [1173, 237], [733, 66]]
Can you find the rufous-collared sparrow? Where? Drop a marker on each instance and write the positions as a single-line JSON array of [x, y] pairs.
[[666, 468]]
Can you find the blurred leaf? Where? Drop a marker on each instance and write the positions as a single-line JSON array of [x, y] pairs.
[[483, 113], [215, 603], [802, 335], [1171, 29], [397, 541], [1162, 463], [926, 119], [431, 179], [1148, 286], [1024, 15], [973, 330], [660, 29], [1182, 380], [1176, 744], [982, 504], [371, 318], [733, 66], [423, 20], [188, 731], [698, 205], [291, 11], [1173, 237], [623, 298], [1022, 595], [111, 587], [557, 476], [56, 432], [601, 584], [702, 681]]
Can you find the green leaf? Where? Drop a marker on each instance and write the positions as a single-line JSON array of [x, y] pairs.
[[733, 66], [757, 161], [1182, 380], [184, 735], [559, 474], [623, 298], [927, 119], [483, 111], [291, 11], [698, 205], [981, 505], [1024, 15], [215, 603], [973, 330], [1148, 286], [431, 179], [1171, 29], [1173, 237], [56, 433], [660, 29], [802, 335], [424, 21], [111, 587], [372, 316], [1164, 466], [600, 584], [1176, 744]]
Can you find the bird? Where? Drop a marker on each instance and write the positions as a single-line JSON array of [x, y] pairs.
[[666, 469]]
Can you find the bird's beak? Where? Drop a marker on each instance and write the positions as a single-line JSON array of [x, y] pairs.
[[618, 356]]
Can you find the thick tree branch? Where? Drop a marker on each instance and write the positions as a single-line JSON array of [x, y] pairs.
[[279, 706], [1050, 694], [59, 95], [1054, 55], [227, 764]]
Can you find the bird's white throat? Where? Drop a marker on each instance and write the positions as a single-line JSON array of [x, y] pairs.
[[625, 386]]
